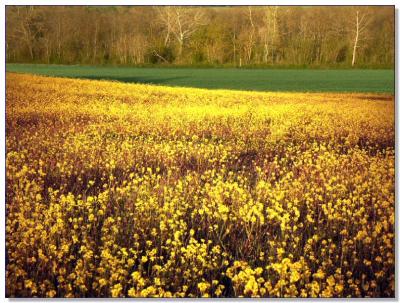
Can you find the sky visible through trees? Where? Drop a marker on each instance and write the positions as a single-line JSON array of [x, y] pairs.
[[343, 36]]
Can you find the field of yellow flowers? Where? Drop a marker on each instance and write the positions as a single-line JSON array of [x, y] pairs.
[[129, 190]]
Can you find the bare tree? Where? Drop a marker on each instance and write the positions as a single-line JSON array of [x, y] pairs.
[[238, 35], [268, 32], [250, 34], [359, 30], [29, 26], [182, 22], [165, 16]]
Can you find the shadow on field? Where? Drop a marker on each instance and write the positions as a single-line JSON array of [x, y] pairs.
[[134, 79], [375, 98]]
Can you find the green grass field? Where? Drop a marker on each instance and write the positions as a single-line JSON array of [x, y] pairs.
[[308, 80]]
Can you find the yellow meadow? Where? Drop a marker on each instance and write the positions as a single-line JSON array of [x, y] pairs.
[[130, 190]]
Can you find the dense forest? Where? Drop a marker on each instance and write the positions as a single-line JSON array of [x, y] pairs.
[[343, 36]]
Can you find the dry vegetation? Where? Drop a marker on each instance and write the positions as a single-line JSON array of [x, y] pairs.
[[202, 35], [136, 190]]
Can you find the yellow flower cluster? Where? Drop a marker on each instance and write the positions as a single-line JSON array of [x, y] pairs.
[[128, 190]]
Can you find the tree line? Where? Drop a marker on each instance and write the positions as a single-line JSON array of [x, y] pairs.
[[202, 35]]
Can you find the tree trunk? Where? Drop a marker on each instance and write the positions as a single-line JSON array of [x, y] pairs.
[[353, 61], [31, 51], [95, 44], [274, 34], [59, 40], [266, 51], [180, 42], [251, 37], [234, 48]]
